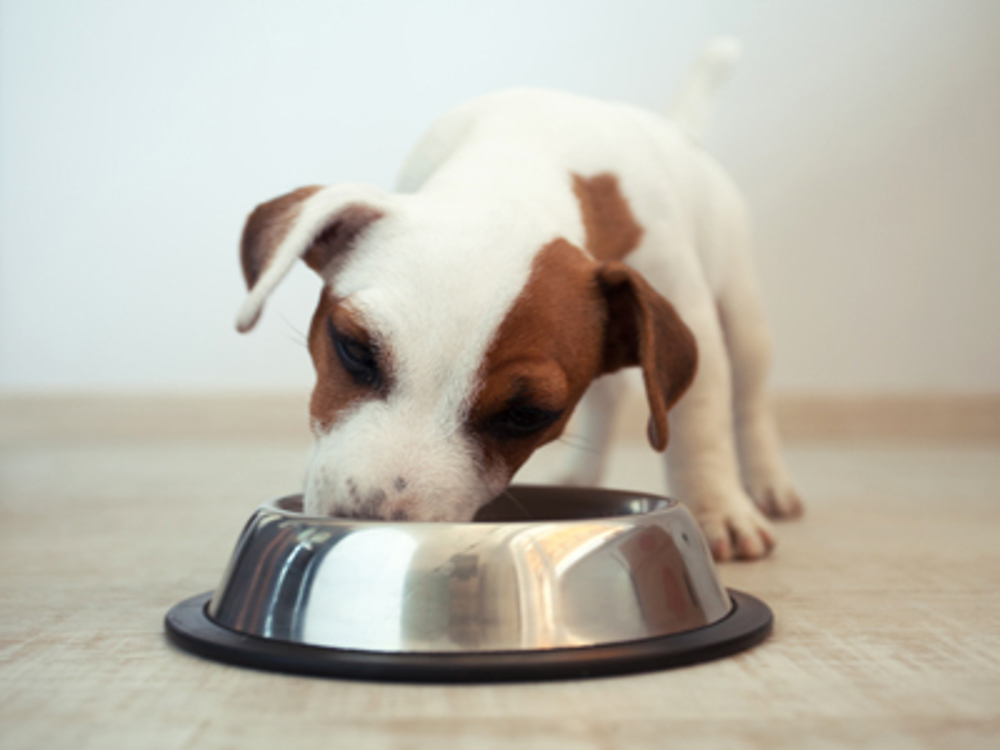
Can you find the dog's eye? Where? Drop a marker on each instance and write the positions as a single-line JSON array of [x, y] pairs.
[[521, 420], [359, 359]]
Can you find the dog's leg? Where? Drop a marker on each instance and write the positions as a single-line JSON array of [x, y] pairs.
[[748, 341], [701, 458], [590, 438]]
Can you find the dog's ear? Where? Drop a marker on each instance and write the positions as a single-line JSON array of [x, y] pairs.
[[644, 329], [317, 224]]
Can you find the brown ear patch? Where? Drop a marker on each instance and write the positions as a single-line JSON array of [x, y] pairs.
[[269, 224], [612, 231], [266, 227], [644, 329], [545, 353], [340, 234]]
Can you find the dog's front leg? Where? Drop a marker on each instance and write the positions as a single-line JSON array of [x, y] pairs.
[[701, 458]]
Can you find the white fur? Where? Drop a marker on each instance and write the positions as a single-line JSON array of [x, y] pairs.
[[415, 289], [313, 216], [488, 187]]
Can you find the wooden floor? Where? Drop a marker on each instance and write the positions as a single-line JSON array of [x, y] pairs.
[[886, 596]]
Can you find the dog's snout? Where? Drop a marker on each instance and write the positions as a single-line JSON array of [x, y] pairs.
[[376, 504]]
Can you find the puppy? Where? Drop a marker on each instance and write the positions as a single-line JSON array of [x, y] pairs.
[[538, 242]]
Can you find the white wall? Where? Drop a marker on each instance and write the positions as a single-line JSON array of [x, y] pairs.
[[135, 137]]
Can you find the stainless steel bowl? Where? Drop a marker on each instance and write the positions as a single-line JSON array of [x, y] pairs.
[[544, 576]]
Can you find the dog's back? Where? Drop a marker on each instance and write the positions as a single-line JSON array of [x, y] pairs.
[[541, 139]]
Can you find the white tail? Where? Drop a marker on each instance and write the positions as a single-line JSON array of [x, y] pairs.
[[692, 104]]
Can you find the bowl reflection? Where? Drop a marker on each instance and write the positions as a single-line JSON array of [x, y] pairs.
[[539, 568]]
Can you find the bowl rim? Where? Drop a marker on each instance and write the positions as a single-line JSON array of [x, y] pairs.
[[660, 504], [749, 622]]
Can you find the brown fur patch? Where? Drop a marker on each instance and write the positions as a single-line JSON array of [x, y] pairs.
[[546, 351], [575, 320], [335, 390], [612, 231], [644, 329], [340, 234], [266, 227], [270, 222]]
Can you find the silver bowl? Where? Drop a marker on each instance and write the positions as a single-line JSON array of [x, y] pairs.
[[546, 582]]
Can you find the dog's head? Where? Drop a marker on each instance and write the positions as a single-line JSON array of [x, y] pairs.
[[448, 345]]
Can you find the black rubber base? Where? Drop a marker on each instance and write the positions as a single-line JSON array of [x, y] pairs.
[[189, 626]]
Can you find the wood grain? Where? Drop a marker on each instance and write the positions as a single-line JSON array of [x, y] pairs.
[[887, 599]]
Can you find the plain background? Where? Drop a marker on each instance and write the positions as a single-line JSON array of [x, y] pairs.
[[136, 136]]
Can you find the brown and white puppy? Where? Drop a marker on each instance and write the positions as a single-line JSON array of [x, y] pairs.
[[539, 242]]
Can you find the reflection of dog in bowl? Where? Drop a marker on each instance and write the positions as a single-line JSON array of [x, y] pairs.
[[539, 241]]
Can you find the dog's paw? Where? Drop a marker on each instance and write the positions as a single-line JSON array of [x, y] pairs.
[[775, 497], [737, 531]]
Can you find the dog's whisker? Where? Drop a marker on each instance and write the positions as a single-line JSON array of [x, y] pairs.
[[513, 498], [299, 337], [578, 442], [507, 495]]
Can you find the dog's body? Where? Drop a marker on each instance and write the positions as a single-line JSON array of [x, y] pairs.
[[540, 241]]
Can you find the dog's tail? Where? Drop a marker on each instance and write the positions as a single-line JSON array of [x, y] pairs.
[[692, 104]]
